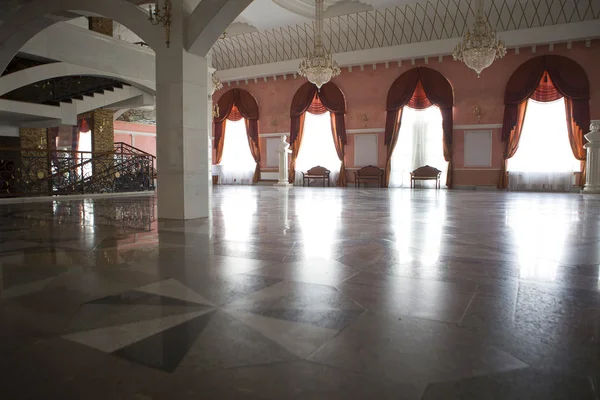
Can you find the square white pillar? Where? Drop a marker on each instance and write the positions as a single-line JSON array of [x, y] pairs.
[[183, 134]]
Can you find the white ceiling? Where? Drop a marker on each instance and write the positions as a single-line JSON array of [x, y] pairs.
[[267, 32], [272, 14]]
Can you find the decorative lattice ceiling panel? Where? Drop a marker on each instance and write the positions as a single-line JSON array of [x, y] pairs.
[[425, 21]]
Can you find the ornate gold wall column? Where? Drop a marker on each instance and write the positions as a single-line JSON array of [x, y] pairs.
[[101, 25], [34, 166]]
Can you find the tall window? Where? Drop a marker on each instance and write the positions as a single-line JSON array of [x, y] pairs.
[[420, 143], [544, 159], [237, 165], [317, 147], [85, 145]]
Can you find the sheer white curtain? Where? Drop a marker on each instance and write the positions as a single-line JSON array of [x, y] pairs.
[[85, 144], [420, 143], [317, 147], [544, 160], [237, 165]]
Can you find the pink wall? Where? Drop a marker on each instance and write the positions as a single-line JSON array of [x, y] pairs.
[[366, 92], [142, 136]]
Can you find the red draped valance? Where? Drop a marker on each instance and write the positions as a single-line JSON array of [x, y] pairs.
[[566, 75], [316, 107], [546, 91], [235, 114], [330, 96], [236, 104], [246, 105], [420, 87], [309, 98], [546, 78]]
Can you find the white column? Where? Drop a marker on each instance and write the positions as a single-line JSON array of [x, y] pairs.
[[592, 173], [182, 123]]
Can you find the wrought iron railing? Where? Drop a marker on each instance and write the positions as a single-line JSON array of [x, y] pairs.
[[41, 172]]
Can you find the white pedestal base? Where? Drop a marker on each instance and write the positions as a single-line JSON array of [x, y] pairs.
[[592, 173], [283, 184], [591, 190]]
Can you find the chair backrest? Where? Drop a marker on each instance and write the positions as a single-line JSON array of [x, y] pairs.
[[369, 171], [318, 170], [426, 172]]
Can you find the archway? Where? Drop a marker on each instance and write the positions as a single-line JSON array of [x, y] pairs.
[[31, 18], [546, 79], [42, 72], [237, 105], [328, 100], [182, 79], [419, 88]]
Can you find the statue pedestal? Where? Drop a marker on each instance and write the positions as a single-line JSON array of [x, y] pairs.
[[283, 184], [283, 150], [592, 172]]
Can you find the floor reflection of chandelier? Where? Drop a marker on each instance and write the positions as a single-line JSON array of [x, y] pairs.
[[480, 47], [319, 67]]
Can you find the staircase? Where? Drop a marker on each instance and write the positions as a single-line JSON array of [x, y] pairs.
[[36, 172]]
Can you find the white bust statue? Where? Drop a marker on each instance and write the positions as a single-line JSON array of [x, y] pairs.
[[284, 146], [283, 150]]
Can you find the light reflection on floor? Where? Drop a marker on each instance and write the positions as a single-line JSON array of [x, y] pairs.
[[540, 231], [319, 220], [304, 293]]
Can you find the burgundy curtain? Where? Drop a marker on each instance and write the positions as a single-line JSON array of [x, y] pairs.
[[234, 105], [52, 136], [512, 143], [331, 98], [533, 78], [84, 124], [393, 140], [419, 87], [295, 146]]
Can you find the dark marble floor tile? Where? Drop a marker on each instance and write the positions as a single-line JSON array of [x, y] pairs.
[[480, 294], [524, 384], [412, 350], [35, 372], [134, 297], [22, 274], [331, 319], [226, 342], [422, 298], [94, 316], [289, 380], [166, 349], [319, 271], [295, 296], [558, 315], [489, 313]]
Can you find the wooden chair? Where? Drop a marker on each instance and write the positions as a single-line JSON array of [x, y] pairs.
[[317, 172], [426, 173], [370, 173]]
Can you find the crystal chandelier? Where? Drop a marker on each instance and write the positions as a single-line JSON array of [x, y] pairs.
[[480, 47], [319, 67], [162, 17]]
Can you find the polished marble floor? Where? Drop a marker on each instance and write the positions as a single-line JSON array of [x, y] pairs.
[[305, 293]]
